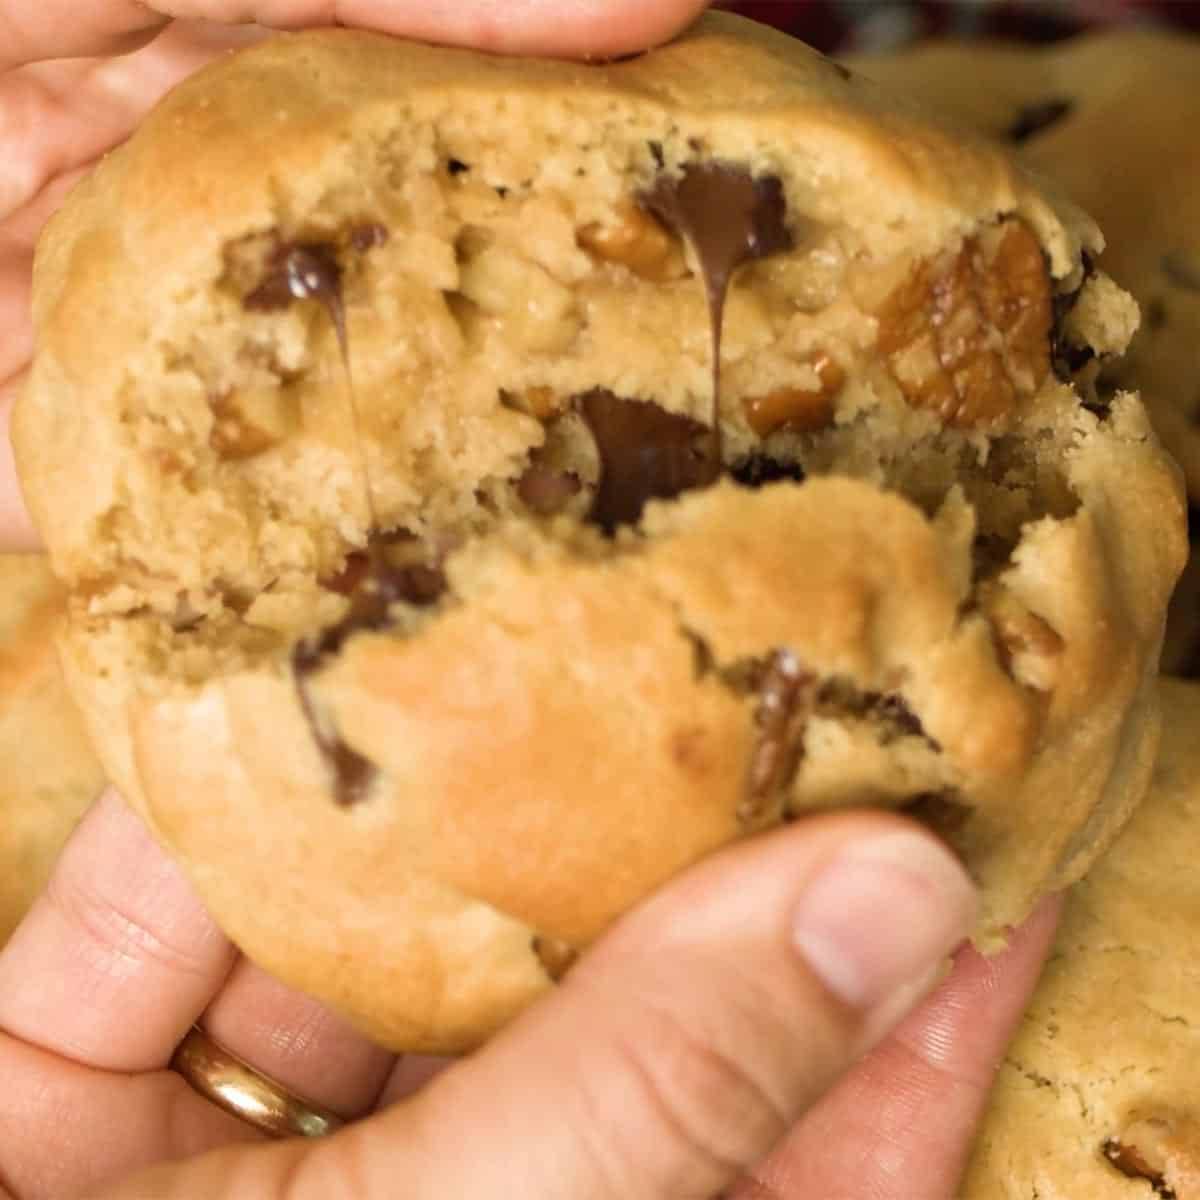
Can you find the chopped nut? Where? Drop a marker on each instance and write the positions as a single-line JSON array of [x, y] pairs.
[[637, 241], [798, 410], [969, 336], [1029, 648]]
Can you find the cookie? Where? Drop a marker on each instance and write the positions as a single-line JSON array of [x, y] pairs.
[[1112, 118], [48, 773], [435, 598], [1097, 1096]]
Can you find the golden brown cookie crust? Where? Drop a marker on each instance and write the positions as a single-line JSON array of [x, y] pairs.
[[972, 602], [1097, 1096]]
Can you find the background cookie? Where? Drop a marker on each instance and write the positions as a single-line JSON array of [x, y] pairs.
[[48, 773], [1113, 118], [1097, 1097], [348, 495]]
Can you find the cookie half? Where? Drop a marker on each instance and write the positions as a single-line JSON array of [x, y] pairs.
[[433, 600]]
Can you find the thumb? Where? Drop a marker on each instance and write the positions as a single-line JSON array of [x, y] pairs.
[[683, 1046]]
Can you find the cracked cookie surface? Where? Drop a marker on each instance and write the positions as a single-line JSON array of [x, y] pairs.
[[435, 581], [1097, 1096]]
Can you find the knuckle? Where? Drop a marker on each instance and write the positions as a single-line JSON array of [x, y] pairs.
[[705, 1114], [114, 940]]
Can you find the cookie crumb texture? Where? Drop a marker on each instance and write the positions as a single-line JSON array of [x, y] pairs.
[[1097, 1096], [418, 597]]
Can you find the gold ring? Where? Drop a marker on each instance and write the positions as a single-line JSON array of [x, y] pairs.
[[223, 1078]]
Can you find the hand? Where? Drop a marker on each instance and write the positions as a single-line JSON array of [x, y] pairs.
[[680, 1054], [676, 1058]]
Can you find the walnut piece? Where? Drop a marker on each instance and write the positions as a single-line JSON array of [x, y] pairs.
[[968, 335], [797, 410], [635, 240], [1028, 647]]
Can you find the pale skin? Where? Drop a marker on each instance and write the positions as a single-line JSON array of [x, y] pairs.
[[711, 1044]]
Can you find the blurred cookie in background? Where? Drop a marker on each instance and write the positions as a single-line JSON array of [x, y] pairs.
[[48, 774], [1097, 1098]]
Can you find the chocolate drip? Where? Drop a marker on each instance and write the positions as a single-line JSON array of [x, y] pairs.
[[784, 706], [730, 218], [645, 453], [374, 586], [1035, 118], [304, 271]]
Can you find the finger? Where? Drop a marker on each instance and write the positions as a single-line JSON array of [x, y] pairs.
[[909, 1111], [67, 1129], [66, 29], [57, 116], [118, 958], [679, 1050], [298, 1042]]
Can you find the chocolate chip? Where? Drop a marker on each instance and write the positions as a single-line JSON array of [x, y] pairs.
[[760, 469], [784, 707], [375, 585], [645, 453], [1130, 1163], [456, 167], [843, 71], [303, 271], [1036, 118]]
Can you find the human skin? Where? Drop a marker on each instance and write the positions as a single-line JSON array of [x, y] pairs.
[[736, 1034]]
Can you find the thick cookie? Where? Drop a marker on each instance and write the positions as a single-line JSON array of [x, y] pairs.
[[1097, 1097], [419, 602], [48, 773], [1113, 119]]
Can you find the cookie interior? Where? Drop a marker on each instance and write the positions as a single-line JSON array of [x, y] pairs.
[[449, 336]]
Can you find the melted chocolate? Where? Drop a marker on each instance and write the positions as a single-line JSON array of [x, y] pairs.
[[645, 453], [760, 469], [730, 218], [784, 705], [303, 271], [1035, 118], [375, 585], [1130, 1163]]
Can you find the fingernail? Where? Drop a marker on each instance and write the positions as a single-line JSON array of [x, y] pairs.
[[882, 915]]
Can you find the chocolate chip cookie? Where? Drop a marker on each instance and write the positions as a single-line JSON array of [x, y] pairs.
[[1097, 1096], [487, 486]]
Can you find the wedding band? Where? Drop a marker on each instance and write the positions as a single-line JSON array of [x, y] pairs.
[[229, 1083]]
